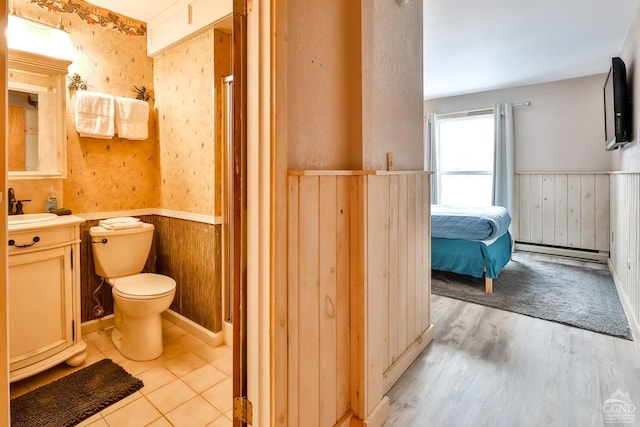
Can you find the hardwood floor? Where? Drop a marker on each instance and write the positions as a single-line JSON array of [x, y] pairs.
[[488, 367]]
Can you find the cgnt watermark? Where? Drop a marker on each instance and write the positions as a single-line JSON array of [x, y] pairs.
[[619, 409]]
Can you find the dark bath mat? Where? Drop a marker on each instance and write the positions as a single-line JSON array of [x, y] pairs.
[[75, 397]]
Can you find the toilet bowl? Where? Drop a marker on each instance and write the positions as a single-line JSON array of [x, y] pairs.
[[138, 301], [139, 298]]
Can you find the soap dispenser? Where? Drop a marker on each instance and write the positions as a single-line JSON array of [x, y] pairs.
[[52, 202]]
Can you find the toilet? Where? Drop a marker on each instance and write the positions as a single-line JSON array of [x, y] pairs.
[[119, 256]]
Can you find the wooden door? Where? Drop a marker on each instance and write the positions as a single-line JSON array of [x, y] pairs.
[[16, 138]]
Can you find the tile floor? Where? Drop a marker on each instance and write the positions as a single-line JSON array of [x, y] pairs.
[[189, 385]]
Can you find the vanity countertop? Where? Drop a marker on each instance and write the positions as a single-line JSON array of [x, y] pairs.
[[44, 223]]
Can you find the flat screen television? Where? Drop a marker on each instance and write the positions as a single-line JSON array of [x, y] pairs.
[[617, 107]]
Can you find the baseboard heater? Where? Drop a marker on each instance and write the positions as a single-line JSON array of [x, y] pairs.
[[578, 253]]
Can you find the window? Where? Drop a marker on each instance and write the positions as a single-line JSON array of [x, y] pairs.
[[465, 159]]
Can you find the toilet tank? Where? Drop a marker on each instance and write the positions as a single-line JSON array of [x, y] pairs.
[[118, 253]]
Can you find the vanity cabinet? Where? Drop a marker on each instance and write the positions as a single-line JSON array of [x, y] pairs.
[[44, 296]]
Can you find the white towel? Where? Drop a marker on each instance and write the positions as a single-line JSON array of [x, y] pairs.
[[95, 114], [132, 118], [120, 219], [121, 225]]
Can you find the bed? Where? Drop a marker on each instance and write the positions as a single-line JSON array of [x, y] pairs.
[[474, 241]]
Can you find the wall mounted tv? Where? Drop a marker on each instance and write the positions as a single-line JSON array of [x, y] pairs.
[[617, 107]]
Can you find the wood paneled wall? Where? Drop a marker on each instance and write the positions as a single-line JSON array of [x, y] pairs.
[[319, 298], [625, 236], [358, 289], [563, 209], [187, 251], [398, 265], [221, 69]]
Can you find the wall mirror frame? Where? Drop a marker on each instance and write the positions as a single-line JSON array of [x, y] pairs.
[[36, 138]]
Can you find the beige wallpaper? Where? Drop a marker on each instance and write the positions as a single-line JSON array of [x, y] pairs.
[[183, 78], [174, 169], [102, 175], [222, 69], [37, 192]]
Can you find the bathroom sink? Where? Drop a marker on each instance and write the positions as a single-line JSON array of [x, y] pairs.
[[31, 218]]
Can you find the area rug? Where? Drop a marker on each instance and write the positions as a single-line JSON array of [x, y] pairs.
[[577, 296], [75, 397]]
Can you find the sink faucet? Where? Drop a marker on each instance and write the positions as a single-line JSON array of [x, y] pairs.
[[12, 200], [18, 203]]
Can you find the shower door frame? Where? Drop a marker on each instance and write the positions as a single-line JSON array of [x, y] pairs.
[[238, 221]]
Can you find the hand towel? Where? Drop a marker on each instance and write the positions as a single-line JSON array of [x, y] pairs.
[[95, 114], [132, 118]]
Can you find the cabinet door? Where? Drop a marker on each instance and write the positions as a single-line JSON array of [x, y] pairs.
[[40, 305]]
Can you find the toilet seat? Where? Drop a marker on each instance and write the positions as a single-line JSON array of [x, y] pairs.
[[143, 286]]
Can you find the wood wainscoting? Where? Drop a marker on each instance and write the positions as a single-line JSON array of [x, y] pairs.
[[359, 287], [625, 238], [563, 210]]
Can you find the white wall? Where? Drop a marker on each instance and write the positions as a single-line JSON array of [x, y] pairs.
[[561, 131], [625, 190], [354, 84], [392, 85], [318, 81], [627, 158]]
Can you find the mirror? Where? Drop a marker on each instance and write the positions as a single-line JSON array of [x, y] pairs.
[[37, 132]]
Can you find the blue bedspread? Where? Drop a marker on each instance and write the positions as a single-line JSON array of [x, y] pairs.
[[469, 223], [471, 258]]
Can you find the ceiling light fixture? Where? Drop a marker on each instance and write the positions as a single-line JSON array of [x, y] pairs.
[[33, 36]]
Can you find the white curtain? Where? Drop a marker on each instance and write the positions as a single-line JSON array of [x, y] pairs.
[[431, 163], [503, 174]]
